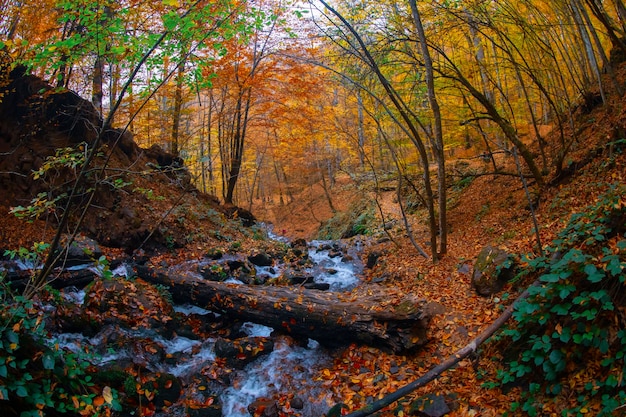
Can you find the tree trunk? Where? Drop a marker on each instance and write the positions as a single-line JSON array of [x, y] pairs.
[[327, 317], [96, 85], [236, 142], [178, 105], [438, 130], [361, 129], [507, 128], [586, 38]]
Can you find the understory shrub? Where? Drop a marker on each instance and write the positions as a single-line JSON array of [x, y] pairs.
[[359, 219], [570, 333], [38, 376]]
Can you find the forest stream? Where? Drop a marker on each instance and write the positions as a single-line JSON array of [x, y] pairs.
[[276, 371]]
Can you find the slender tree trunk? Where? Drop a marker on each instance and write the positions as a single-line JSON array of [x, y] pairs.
[[237, 142], [202, 155], [598, 11], [96, 84], [15, 21], [326, 188], [584, 34], [178, 105], [533, 120], [594, 34], [361, 129], [437, 130], [255, 178], [621, 14]]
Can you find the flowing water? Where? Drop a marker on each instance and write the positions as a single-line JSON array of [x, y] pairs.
[[288, 370]]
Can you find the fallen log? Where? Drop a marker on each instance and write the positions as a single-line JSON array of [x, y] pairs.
[[18, 280], [58, 278], [332, 319]]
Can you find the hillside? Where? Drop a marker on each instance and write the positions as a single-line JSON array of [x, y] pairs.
[[143, 199]]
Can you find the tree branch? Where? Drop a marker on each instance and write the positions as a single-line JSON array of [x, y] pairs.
[[445, 365]]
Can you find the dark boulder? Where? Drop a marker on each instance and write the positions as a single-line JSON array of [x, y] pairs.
[[263, 408], [492, 269], [238, 353], [261, 259]]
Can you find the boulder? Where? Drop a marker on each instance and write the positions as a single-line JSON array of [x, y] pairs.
[[82, 250], [132, 304], [261, 259], [263, 408], [372, 259], [238, 353], [492, 269]]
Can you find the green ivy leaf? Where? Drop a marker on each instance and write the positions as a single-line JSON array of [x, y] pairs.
[[556, 356], [48, 361], [561, 309], [21, 391], [565, 335], [593, 274], [566, 290]]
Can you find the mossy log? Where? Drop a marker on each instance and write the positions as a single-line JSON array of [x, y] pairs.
[[332, 319]]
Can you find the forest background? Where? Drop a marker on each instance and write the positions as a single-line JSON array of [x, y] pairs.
[[268, 102], [263, 100]]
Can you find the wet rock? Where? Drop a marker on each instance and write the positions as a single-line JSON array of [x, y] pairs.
[[239, 265], [296, 403], [213, 272], [347, 258], [261, 259], [167, 389], [263, 408], [335, 253], [298, 277], [83, 250], [299, 247], [261, 279], [238, 353], [321, 286], [222, 269], [324, 246], [431, 405], [214, 410], [493, 268]]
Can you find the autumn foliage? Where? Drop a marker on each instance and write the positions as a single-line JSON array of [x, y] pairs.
[[438, 127]]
